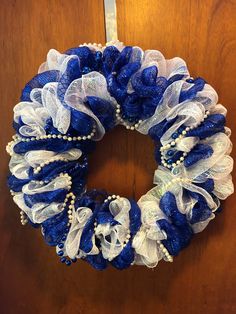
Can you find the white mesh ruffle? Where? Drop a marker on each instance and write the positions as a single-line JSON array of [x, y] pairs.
[[113, 237]]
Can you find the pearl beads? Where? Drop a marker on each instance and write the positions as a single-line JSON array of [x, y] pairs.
[[66, 175], [127, 125], [94, 45], [13, 193], [166, 254], [23, 218], [128, 237], [9, 147], [114, 42], [17, 138], [39, 168], [71, 207], [111, 197], [176, 139]]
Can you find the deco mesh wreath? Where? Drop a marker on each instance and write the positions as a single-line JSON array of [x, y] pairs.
[[69, 105]]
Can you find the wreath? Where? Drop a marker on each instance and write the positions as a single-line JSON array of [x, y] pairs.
[[71, 103]]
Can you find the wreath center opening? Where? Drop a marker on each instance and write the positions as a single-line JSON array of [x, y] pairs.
[[123, 163]]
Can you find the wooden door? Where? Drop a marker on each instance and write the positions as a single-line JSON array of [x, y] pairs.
[[202, 278]]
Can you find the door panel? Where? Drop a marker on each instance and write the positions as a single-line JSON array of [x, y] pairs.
[[202, 277]]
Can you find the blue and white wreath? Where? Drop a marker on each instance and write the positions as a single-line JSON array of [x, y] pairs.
[[71, 103]]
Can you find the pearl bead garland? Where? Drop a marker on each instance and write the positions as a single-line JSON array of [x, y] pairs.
[[114, 42], [165, 252], [173, 143], [66, 175], [23, 218], [18, 138], [128, 236], [111, 197], [59, 136], [9, 147], [13, 193], [90, 45], [127, 125], [39, 168], [71, 207]]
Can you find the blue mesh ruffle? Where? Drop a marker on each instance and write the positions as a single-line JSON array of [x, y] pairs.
[[200, 151], [38, 81], [198, 85], [55, 228], [71, 73], [201, 210], [211, 125], [16, 184], [56, 145], [103, 110], [45, 197], [177, 237]]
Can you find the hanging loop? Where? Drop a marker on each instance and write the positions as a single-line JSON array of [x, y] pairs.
[[110, 20]]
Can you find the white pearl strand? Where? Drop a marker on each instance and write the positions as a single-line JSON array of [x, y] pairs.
[[71, 207], [13, 193], [60, 136], [23, 218], [111, 197], [165, 252], [9, 149], [175, 141], [94, 45], [127, 125], [17, 138], [39, 168], [128, 236], [61, 175], [114, 42]]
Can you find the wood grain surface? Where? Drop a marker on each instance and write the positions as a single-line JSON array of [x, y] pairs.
[[202, 278]]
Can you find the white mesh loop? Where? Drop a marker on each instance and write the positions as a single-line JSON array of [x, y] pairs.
[[59, 114], [33, 115], [37, 157], [113, 237], [39, 212], [54, 61], [91, 84], [72, 244], [35, 187]]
